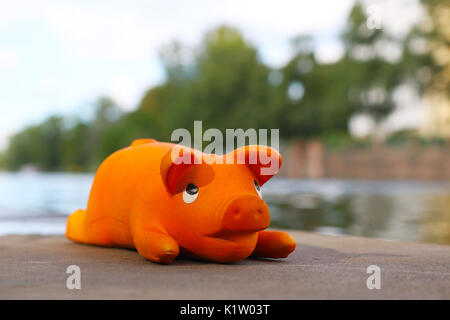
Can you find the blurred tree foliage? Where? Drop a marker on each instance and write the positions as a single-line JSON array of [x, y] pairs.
[[2, 160], [429, 42], [224, 83], [55, 145]]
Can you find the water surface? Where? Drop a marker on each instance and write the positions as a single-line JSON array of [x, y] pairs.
[[406, 210]]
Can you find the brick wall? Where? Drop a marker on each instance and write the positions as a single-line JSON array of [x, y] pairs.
[[411, 161]]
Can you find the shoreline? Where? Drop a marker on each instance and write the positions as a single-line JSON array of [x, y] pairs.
[[322, 267]]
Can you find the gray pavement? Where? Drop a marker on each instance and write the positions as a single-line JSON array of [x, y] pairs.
[[322, 267]]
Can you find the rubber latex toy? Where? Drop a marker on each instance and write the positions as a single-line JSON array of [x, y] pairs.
[[143, 197]]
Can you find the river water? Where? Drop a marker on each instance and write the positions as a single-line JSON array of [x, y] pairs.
[[398, 210]]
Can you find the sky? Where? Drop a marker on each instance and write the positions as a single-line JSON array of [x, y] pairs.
[[58, 56]]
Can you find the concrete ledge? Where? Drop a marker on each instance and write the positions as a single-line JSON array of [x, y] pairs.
[[322, 267]]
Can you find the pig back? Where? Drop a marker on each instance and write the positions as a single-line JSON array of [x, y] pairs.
[[128, 178]]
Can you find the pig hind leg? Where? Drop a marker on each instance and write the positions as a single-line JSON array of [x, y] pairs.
[[274, 244], [88, 232], [76, 230]]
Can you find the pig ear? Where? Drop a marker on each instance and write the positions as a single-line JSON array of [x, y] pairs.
[[263, 161], [181, 165]]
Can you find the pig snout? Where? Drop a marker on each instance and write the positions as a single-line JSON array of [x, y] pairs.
[[246, 213]]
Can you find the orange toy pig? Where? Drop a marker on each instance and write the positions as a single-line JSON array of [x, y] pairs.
[[210, 209]]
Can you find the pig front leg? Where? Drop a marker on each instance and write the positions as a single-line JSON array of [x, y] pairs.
[[156, 246], [274, 244]]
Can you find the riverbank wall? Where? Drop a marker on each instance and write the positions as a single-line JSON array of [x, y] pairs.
[[316, 160]]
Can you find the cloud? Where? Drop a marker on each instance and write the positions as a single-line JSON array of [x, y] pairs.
[[397, 17], [64, 53], [136, 29], [9, 59], [107, 33], [289, 17], [126, 91]]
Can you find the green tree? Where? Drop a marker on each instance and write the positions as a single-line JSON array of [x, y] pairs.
[[100, 145], [426, 50], [40, 145], [2, 160], [224, 84], [231, 88], [312, 98], [375, 74], [76, 152]]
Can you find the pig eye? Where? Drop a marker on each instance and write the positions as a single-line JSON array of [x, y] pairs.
[[258, 188], [190, 193]]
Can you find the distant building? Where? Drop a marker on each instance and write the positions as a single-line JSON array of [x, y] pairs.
[[29, 168], [436, 122]]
